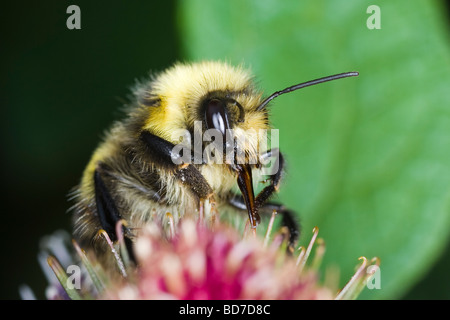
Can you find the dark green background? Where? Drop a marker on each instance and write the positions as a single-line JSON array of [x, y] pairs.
[[60, 89]]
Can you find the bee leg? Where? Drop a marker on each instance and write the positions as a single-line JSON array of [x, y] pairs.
[[107, 211], [191, 177], [106, 208], [274, 179], [267, 207], [165, 153], [289, 218], [162, 152], [288, 215]]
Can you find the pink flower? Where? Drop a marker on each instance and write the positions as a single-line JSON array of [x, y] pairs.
[[201, 263], [217, 263]]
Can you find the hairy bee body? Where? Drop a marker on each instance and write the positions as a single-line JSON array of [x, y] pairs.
[[148, 165], [130, 175]]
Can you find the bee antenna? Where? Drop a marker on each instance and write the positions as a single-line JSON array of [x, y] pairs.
[[306, 84]]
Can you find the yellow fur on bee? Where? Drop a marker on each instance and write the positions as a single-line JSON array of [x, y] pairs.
[[182, 87]]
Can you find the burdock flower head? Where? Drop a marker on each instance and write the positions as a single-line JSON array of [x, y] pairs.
[[197, 261], [201, 263]]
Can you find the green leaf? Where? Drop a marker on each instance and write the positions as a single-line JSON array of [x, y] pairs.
[[368, 157]]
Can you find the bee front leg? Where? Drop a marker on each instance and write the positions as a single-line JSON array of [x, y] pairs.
[[274, 178], [107, 211], [161, 152], [261, 203], [289, 217]]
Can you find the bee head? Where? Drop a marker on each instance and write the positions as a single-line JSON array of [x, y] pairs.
[[221, 97], [214, 94]]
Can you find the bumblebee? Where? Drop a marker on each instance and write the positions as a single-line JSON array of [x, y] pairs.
[[135, 175]]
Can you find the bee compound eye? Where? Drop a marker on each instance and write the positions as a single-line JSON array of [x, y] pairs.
[[216, 115]]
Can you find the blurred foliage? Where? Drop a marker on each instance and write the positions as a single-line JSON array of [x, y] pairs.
[[369, 158]]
